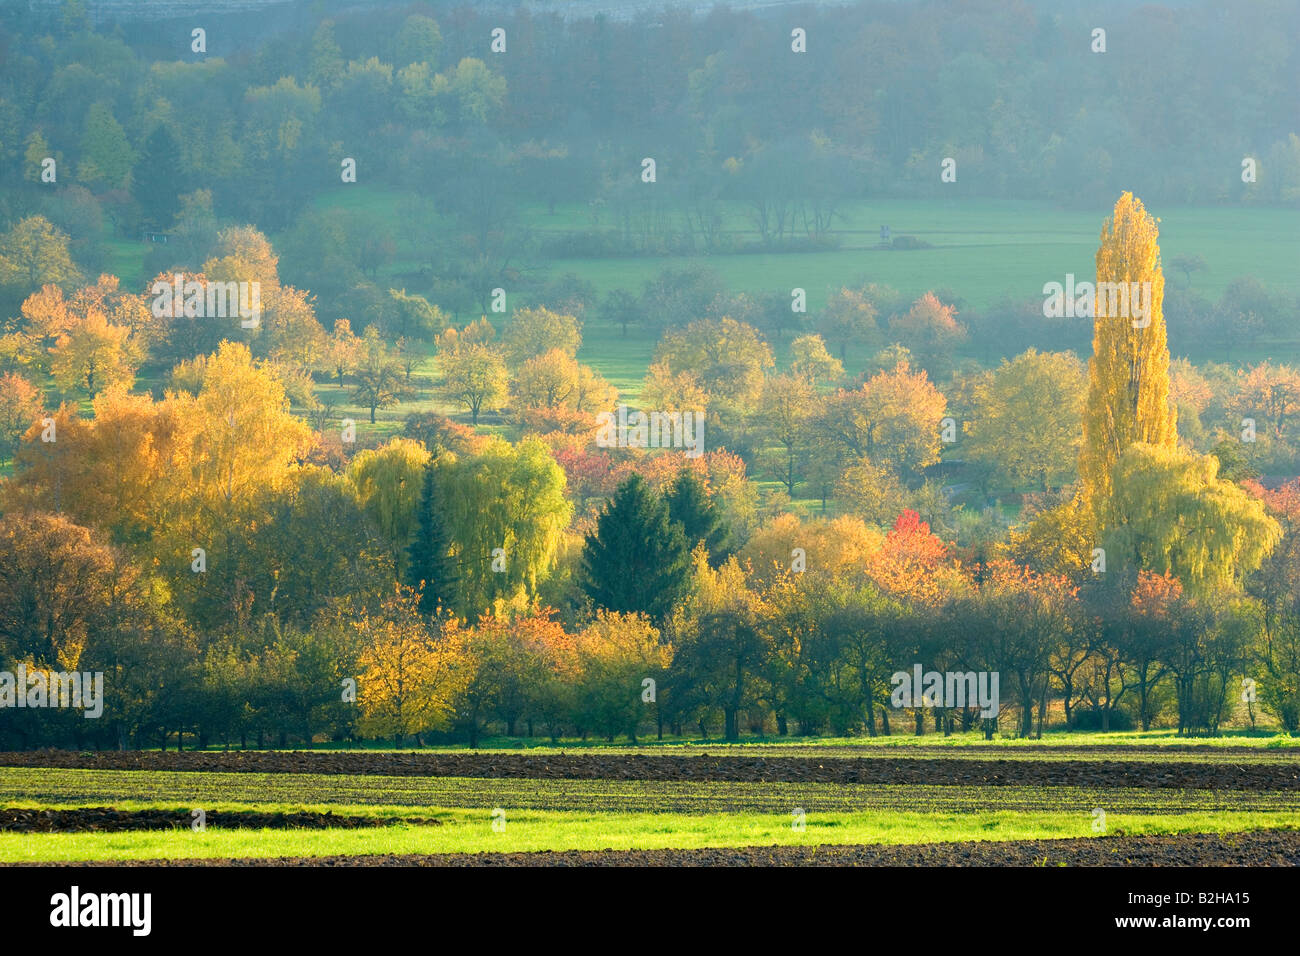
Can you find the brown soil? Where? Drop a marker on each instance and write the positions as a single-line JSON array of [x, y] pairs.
[[1258, 848], [109, 819], [953, 770]]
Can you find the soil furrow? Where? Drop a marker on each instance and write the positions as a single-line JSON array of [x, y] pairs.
[[946, 771]]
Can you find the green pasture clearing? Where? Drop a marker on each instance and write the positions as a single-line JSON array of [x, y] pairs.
[[403, 797], [982, 249], [470, 831]]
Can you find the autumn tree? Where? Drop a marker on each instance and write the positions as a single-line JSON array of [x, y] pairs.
[[1272, 393], [727, 358], [837, 547], [1277, 586], [389, 481], [893, 420], [20, 407], [786, 408], [671, 391], [555, 379], [33, 253], [721, 638], [113, 472], [930, 330], [54, 580], [810, 361], [289, 333], [1058, 539], [1172, 513], [410, 674], [871, 492], [341, 351], [244, 254], [475, 377], [850, 316], [1028, 417], [69, 601], [505, 513], [237, 444], [533, 332], [377, 374], [95, 338], [1128, 374], [914, 563], [537, 670], [616, 654], [411, 316]]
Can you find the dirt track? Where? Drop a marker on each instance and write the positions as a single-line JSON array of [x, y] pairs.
[[1260, 848], [955, 771]]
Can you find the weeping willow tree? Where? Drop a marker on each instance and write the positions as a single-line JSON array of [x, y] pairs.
[[505, 514], [1172, 514], [1128, 375]]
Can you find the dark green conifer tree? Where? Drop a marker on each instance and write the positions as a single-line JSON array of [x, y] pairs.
[[431, 569], [638, 558]]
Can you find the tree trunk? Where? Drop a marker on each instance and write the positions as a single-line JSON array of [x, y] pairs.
[[729, 719]]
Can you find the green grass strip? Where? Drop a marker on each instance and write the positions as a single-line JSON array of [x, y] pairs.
[[466, 831]]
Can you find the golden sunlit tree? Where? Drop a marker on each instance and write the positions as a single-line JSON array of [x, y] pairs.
[[1128, 375], [410, 672]]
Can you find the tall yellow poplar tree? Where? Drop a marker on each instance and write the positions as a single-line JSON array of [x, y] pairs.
[[1128, 375]]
